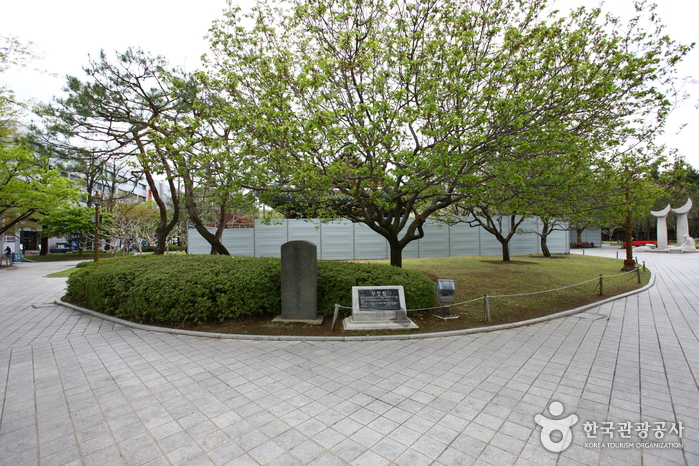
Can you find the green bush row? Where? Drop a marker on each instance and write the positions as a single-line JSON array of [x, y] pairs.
[[172, 247], [175, 289]]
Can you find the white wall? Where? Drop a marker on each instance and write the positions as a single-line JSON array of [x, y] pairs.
[[344, 240]]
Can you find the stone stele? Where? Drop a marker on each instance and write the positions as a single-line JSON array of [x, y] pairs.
[[299, 283]]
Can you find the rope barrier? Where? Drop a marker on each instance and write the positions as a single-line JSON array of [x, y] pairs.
[[508, 295]]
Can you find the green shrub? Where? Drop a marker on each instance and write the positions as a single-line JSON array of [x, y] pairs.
[[175, 289], [336, 279]]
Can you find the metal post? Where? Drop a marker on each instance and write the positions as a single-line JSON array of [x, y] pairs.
[[487, 308], [337, 308], [600, 285], [638, 274], [97, 233]]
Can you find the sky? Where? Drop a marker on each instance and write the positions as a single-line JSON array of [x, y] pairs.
[[64, 33]]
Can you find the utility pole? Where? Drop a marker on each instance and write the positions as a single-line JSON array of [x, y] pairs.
[[629, 262], [95, 246]]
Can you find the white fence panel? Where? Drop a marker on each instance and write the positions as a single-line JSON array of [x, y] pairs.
[[367, 243], [269, 238], [337, 243], [528, 242], [435, 243], [239, 241], [344, 240]]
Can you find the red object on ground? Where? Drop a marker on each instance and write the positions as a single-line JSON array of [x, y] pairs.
[[640, 243]]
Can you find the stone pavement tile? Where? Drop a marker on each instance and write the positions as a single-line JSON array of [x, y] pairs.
[[226, 453], [103, 456], [496, 456], [328, 459], [453, 457], [370, 458], [307, 451], [185, 454], [412, 458], [508, 443], [26, 457], [285, 460], [266, 452]]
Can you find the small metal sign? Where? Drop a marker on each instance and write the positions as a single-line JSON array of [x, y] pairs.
[[374, 299], [378, 298]]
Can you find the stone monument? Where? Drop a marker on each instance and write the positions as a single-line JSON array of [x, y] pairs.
[[661, 215], [685, 243], [299, 283], [682, 223], [378, 308]]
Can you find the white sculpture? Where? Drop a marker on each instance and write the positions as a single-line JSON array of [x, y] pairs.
[[661, 215], [688, 244], [682, 223], [685, 243]]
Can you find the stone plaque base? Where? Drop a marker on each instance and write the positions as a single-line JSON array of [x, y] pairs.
[[317, 321], [349, 323], [378, 308]]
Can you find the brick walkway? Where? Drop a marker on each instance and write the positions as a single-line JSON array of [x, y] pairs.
[[80, 390]]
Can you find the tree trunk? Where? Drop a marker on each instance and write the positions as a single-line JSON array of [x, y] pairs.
[[164, 227], [544, 237], [216, 246], [221, 225], [396, 252], [44, 246], [505, 250]]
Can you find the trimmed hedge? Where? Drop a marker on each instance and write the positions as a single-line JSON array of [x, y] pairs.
[[176, 289]]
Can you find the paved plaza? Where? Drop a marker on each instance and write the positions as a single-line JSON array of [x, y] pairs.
[[77, 389]]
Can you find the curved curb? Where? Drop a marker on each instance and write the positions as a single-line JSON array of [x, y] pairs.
[[415, 336]]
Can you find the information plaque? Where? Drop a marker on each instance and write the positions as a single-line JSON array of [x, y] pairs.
[[379, 299], [378, 307]]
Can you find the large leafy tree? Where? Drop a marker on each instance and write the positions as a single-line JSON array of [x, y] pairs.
[[118, 112], [385, 112], [29, 185], [74, 223]]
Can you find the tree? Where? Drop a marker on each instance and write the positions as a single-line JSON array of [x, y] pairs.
[[72, 223], [209, 166], [117, 112], [132, 223], [385, 112], [29, 186], [12, 53]]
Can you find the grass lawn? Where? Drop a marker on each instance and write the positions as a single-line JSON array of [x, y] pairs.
[[73, 256], [63, 273], [474, 277]]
